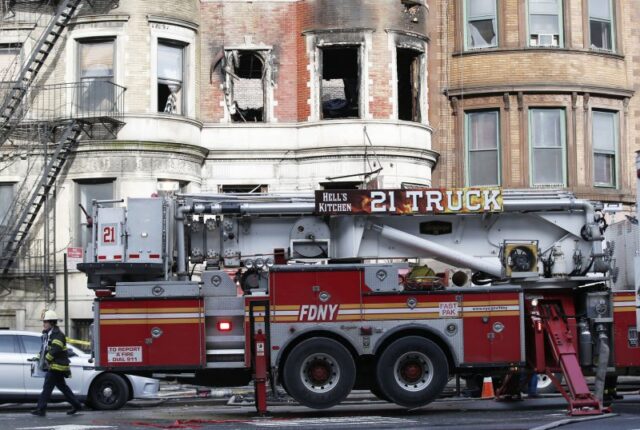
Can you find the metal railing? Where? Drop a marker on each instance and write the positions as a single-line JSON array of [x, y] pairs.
[[99, 104]]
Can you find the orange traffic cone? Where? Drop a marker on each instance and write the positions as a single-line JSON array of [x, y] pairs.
[[487, 388]]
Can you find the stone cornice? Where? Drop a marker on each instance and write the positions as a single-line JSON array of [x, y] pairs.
[[567, 88]]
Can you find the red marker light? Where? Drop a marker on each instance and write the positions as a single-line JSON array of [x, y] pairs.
[[224, 326]]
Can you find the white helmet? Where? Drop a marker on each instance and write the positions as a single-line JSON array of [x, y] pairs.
[[49, 315]]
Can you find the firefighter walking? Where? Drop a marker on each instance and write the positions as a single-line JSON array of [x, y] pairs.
[[54, 359]]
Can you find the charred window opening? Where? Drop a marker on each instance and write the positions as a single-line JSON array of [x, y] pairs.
[[340, 82], [170, 78], [248, 72], [409, 65]]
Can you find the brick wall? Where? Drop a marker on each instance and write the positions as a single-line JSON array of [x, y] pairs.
[[543, 76]]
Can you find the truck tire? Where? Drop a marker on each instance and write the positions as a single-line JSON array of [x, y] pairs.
[[319, 373], [545, 385], [108, 392], [412, 371]]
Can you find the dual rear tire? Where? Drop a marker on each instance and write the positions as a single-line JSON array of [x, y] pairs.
[[320, 372], [412, 371]]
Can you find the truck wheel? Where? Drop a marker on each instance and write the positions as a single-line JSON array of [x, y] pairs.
[[108, 392], [319, 373], [545, 385], [412, 371]]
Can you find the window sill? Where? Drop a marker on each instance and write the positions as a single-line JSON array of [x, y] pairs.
[[558, 49]]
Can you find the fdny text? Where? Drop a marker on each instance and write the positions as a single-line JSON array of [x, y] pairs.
[[318, 312]]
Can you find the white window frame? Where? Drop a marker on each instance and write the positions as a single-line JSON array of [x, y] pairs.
[[616, 144], [563, 147], [468, 150], [183, 72], [181, 36]]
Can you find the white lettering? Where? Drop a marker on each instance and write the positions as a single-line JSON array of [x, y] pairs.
[[470, 194], [332, 311], [491, 199], [304, 309], [434, 198], [450, 200], [392, 201], [377, 200], [414, 195], [318, 312]]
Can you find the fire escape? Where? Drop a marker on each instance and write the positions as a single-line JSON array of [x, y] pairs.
[[43, 123]]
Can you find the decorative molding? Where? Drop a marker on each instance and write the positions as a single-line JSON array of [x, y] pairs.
[[507, 101], [520, 100], [173, 21], [540, 88], [455, 105], [586, 97], [93, 19], [503, 51], [574, 100]]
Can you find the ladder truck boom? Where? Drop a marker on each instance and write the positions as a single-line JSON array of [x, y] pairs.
[[391, 290]]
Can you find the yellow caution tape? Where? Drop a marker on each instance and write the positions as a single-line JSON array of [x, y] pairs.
[[78, 342]]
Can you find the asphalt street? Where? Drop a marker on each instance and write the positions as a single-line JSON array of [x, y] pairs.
[[357, 413]]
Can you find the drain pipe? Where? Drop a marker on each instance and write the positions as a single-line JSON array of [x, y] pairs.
[[603, 362]]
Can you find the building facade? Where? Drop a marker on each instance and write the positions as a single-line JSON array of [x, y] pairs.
[[537, 94], [297, 95]]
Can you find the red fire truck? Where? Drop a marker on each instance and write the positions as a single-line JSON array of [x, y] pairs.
[[391, 290]]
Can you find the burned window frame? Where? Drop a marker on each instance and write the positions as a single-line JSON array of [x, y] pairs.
[[230, 57], [359, 48], [183, 90], [419, 48], [320, 39]]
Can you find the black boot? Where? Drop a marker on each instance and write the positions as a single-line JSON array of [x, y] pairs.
[[39, 412], [74, 409]]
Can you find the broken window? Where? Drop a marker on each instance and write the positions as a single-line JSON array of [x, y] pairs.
[[601, 24], [545, 22], [170, 78], [340, 82], [245, 81], [409, 65], [482, 23], [96, 64]]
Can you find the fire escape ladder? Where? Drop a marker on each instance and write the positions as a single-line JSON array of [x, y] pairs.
[[68, 138], [10, 111], [581, 400]]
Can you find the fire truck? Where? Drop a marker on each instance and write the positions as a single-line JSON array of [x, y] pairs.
[[395, 291]]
